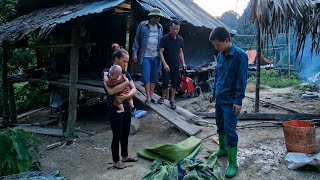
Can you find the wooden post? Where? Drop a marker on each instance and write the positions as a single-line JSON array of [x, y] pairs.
[[289, 52], [12, 104], [133, 67], [5, 88], [258, 58], [73, 80]]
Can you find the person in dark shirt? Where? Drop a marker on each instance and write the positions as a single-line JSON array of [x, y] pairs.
[[228, 92], [120, 122], [171, 54]]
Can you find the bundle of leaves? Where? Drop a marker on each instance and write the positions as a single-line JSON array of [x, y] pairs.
[[18, 151]]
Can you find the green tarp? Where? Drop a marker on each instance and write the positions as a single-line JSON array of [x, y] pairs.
[[172, 152]]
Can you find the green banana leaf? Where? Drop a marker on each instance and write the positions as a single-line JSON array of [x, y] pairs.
[[172, 152]]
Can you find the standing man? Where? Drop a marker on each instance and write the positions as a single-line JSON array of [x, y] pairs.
[[146, 48], [228, 92], [171, 53]]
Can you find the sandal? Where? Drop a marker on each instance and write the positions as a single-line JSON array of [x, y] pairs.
[[161, 100], [131, 159], [153, 101], [173, 105], [119, 165]]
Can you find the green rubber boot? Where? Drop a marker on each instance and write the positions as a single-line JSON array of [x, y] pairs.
[[222, 146], [232, 159]]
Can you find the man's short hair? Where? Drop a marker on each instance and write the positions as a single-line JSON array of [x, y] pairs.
[[174, 21], [219, 34]]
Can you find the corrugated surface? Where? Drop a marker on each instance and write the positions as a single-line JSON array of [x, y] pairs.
[[45, 20], [92, 8], [184, 10]]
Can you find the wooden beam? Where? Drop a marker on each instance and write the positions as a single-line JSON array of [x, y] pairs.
[[167, 113], [125, 5], [55, 46], [40, 130], [265, 116], [5, 88], [12, 104], [30, 112], [183, 112], [73, 79], [258, 59], [273, 104]]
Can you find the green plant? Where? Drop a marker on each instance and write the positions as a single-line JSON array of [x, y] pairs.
[[273, 79], [30, 96], [18, 151]]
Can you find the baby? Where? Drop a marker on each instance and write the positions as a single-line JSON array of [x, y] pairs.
[[115, 77]]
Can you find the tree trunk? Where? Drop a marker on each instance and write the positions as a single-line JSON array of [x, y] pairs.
[[5, 88], [258, 57], [73, 80]]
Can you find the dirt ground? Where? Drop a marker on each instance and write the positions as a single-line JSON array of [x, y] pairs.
[[261, 149]]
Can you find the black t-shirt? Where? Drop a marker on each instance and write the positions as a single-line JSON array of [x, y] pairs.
[[171, 49], [109, 97]]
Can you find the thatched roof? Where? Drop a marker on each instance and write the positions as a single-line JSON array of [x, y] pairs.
[[303, 16], [45, 20]]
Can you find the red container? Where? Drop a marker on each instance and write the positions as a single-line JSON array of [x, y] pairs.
[[299, 136]]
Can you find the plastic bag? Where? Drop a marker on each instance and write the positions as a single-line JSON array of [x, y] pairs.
[[297, 160]]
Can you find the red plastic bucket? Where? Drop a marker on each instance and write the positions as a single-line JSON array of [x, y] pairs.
[[299, 136]]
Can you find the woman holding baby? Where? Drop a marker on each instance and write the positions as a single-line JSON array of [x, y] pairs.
[[120, 122]]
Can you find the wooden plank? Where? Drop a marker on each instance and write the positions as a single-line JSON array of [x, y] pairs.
[[276, 105], [265, 116], [185, 113], [40, 130], [125, 5], [174, 118], [169, 114], [30, 112], [55, 46]]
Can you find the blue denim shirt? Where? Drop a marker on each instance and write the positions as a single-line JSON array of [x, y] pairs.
[[141, 39], [231, 77]]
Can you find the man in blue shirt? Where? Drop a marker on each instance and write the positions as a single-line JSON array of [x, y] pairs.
[[228, 92], [145, 49]]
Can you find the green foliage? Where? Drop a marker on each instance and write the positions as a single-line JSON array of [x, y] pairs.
[[18, 151], [7, 9], [273, 79], [21, 58], [30, 96], [230, 18]]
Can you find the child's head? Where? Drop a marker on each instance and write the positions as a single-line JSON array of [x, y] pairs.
[[115, 47], [115, 71]]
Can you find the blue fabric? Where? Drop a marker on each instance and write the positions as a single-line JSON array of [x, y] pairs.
[[231, 77], [226, 121], [141, 39], [150, 69], [139, 113], [229, 89]]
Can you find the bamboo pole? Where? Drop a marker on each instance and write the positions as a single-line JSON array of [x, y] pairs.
[[73, 79], [289, 52], [258, 61]]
